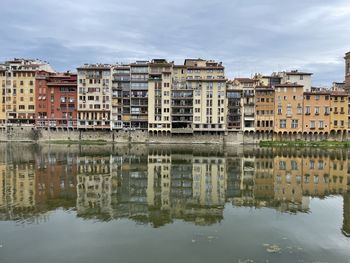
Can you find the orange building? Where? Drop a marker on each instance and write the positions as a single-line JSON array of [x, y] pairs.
[[288, 109], [339, 113], [264, 107], [316, 118], [56, 100]]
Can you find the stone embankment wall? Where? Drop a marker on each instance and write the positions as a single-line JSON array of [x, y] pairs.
[[29, 133]]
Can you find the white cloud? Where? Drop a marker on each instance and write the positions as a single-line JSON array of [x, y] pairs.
[[248, 36]]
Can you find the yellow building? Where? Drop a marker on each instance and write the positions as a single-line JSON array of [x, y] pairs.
[[339, 113], [18, 89]]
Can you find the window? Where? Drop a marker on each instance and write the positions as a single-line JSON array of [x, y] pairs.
[[307, 110], [317, 110], [294, 165], [279, 110], [282, 165], [312, 124], [326, 110], [312, 164], [294, 124], [321, 124], [299, 109], [289, 110], [283, 124]]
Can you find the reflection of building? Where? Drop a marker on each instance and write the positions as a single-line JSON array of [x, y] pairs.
[[55, 181], [346, 215], [18, 189], [164, 185], [264, 179], [94, 186]]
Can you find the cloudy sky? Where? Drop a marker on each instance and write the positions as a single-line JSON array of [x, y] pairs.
[[246, 35]]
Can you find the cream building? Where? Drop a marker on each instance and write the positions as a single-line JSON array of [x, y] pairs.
[[94, 96], [94, 186], [297, 77], [198, 97], [159, 96]]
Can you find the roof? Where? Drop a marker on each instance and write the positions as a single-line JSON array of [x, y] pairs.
[[95, 67], [339, 93], [264, 88], [246, 80], [291, 85], [314, 93], [296, 72]]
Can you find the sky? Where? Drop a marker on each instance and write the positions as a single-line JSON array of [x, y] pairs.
[[248, 36]]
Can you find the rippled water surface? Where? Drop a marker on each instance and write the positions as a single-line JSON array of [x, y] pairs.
[[173, 203]]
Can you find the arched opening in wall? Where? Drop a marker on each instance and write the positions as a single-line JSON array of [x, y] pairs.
[[345, 133], [304, 136], [339, 134], [309, 136], [257, 135], [150, 133], [299, 135], [326, 135], [321, 136]]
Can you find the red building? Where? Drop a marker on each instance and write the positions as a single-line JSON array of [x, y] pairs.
[[56, 100]]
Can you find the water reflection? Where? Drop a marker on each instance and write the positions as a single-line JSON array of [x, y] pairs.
[[157, 185]]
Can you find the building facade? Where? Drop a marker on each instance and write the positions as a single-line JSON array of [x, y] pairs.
[[94, 96], [247, 86], [56, 100], [288, 108], [139, 95], [347, 71], [18, 90], [339, 112], [159, 96], [297, 77], [120, 97], [316, 115], [265, 106], [234, 107]]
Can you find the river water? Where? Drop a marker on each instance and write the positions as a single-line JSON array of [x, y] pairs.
[[173, 203]]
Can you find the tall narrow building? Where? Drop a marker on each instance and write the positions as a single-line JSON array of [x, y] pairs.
[[159, 96], [181, 102], [347, 72], [121, 96], [94, 96], [234, 107], [139, 95]]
